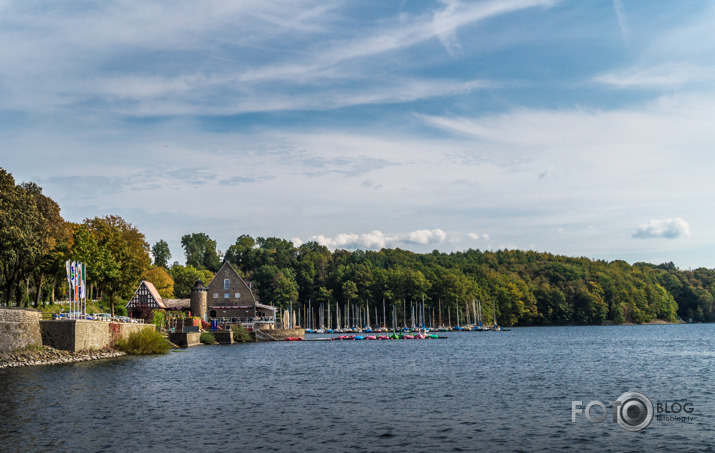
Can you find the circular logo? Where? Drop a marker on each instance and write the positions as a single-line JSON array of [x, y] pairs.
[[635, 412]]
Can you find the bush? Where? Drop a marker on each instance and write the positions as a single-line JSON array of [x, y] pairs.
[[120, 309], [241, 335], [207, 338], [157, 318], [146, 341]]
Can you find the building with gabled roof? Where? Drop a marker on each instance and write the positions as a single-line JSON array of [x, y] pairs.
[[232, 298], [146, 298]]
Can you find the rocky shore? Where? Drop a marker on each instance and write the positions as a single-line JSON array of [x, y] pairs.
[[51, 356]]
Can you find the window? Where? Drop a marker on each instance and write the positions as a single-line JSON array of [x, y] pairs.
[[238, 295], [226, 283], [215, 295], [227, 295]]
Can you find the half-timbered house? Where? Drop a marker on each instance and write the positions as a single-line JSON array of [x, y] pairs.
[[146, 298]]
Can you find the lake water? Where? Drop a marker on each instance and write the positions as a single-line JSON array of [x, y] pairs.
[[498, 391]]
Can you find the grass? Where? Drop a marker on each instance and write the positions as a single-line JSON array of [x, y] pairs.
[[92, 307], [34, 347], [145, 341]]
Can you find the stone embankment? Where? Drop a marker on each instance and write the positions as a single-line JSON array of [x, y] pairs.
[[51, 356]]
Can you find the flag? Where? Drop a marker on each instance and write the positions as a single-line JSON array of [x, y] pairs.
[[68, 264], [75, 280], [84, 281], [79, 281]]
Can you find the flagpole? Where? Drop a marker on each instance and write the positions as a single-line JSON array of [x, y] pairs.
[[84, 289], [69, 287]]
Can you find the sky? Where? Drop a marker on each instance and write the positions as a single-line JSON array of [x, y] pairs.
[[580, 128]]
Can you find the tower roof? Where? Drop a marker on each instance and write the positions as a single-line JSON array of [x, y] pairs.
[[199, 286]]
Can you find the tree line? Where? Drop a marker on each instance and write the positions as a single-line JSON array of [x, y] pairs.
[[520, 287]]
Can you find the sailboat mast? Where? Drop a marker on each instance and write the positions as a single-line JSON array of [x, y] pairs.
[[384, 314], [440, 312], [457, 313]]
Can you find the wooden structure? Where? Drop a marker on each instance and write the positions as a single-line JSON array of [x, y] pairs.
[[146, 298]]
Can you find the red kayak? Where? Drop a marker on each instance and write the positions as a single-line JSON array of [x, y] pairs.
[[294, 339]]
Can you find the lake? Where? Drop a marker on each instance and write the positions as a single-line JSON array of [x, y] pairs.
[[498, 391]]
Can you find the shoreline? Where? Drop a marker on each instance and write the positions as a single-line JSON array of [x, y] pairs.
[[51, 356]]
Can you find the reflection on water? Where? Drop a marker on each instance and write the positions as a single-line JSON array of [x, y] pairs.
[[476, 390]]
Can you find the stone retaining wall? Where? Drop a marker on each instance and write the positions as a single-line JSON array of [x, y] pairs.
[[82, 335], [185, 339], [223, 337], [282, 334], [19, 328]]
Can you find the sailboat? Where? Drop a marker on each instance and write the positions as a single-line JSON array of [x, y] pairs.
[[495, 327]]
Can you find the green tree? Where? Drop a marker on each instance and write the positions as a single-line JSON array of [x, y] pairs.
[[185, 278], [123, 254], [50, 232], [161, 253], [241, 253], [20, 238], [200, 251], [161, 280]]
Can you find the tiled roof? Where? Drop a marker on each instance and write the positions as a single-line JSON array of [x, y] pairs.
[[154, 293]]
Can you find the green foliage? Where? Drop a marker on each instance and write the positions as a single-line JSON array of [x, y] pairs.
[[120, 310], [185, 278], [157, 318], [207, 338], [161, 279], [145, 341], [200, 251], [161, 253], [520, 288], [241, 335], [119, 254]]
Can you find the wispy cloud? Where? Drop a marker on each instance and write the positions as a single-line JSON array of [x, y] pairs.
[[673, 58], [260, 56], [659, 75], [622, 20], [666, 228]]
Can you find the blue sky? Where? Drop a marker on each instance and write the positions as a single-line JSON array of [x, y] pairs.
[[574, 127]]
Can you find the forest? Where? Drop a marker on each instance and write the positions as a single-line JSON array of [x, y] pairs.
[[521, 288]]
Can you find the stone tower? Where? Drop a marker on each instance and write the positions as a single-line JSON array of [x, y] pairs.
[[199, 300]]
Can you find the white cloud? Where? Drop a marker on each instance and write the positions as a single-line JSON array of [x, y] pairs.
[[373, 240], [474, 236], [376, 240], [424, 237], [549, 173], [667, 228]]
